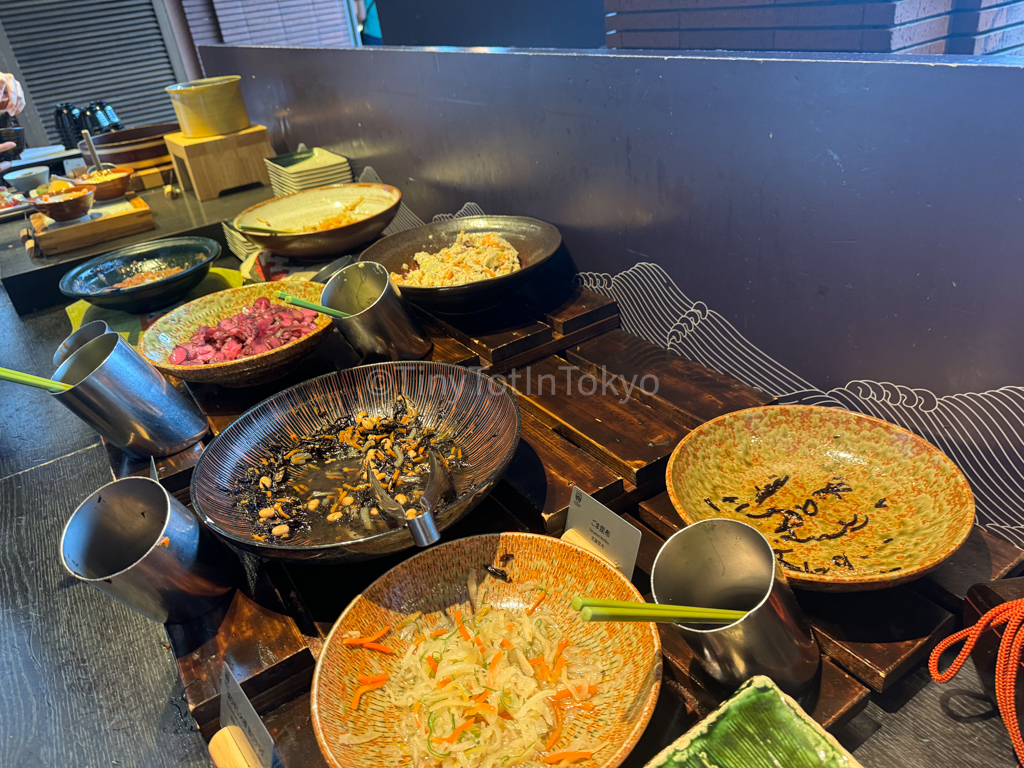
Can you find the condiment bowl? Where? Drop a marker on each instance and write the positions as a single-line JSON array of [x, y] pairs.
[[848, 502], [26, 179], [66, 209], [112, 188], [178, 326], [435, 582]]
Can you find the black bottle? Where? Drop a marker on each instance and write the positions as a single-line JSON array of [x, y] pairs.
[[95, 119], [64, 122]]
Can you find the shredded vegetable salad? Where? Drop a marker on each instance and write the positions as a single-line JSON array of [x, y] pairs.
[[495, 689]]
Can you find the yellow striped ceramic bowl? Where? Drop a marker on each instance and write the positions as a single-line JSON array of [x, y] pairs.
[[848, 502]]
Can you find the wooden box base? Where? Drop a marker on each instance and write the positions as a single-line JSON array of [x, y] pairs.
[[216, 164]]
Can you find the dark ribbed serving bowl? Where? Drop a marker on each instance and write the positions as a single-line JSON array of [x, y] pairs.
[[477, 411]]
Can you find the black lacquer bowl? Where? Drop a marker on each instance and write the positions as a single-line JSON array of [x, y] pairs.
[[94, 279], [477, 411], [535, 240]]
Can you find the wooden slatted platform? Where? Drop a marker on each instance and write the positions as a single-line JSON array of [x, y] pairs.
[[585, 422]]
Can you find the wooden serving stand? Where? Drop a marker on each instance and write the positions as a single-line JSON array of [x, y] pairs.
[[118, 218], [215, 164], [615, 448]]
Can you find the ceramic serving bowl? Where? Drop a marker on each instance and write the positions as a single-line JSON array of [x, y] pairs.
[[478, 411], [111, 189], [68, 209], [94, 280], [26, 179], [436, 580], [178, 326], [848, 502], [375, 204], [536, 241]]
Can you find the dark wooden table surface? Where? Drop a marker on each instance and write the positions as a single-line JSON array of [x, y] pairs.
[[88, 683]]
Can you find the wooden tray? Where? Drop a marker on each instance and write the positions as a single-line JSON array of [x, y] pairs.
[[119, 218]]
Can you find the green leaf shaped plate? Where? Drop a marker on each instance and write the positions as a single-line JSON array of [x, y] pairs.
[[759, 727]]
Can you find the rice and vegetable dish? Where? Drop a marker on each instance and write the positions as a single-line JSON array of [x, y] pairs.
[[472, 257], [501, 687]]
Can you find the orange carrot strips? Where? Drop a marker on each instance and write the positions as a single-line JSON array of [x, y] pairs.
[[542, 671], [364, 689], [557, 671], [506, 644], [557, 733], [537, 602], [562, 644], [557, 757], [378, 647], [492, 668], [383, 677], [438, 633], [364, 640], [455, 734], [443, 683], [432, 663], [565, 693]]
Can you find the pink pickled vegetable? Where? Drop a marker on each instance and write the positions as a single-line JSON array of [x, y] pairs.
[[259, 328]]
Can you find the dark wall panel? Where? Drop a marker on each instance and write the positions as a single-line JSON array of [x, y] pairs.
[[519, 24], [851, 219]]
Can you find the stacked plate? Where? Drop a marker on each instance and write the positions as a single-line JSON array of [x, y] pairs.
[[308, 169], [237, 244]]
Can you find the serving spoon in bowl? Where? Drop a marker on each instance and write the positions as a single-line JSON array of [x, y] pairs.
[[440, 489]]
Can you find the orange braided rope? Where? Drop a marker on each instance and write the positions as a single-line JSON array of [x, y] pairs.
[[1011, 644]]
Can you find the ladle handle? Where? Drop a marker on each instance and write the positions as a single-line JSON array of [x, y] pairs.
[[92, 151]]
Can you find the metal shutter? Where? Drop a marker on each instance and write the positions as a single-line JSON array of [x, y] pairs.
[[323, 23], [81, 50], [202, 21]]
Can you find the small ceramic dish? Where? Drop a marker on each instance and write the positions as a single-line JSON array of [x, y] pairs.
[[26, 179], [848, 502], [110, 188], [758, 727], [66, 205]]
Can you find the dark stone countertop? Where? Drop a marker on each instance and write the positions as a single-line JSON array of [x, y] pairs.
[[31, 283]]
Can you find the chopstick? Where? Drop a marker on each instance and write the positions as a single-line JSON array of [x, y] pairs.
[[264, 230], [33, 381], [309, 305], [593, 609]]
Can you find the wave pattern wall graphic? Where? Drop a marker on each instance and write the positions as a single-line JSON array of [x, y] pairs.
[[983, 432]]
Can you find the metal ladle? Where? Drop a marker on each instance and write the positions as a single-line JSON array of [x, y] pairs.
[[440, 488]]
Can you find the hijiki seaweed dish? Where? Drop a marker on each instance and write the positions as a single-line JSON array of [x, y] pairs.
[[316, 484], [845, 500], [793, 514]]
